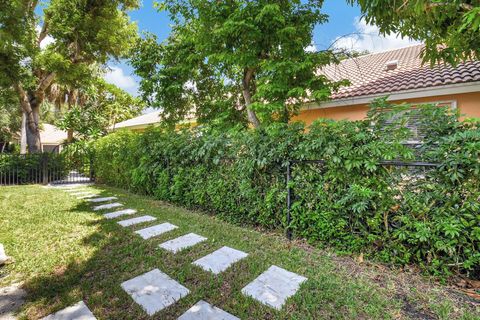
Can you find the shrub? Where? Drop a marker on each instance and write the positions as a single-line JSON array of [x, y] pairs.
[[30, 168], [429, 217]]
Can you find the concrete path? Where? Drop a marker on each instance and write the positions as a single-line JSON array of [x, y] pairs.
[[220, 260], [154, 291]]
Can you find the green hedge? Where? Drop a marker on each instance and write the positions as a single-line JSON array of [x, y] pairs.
[[429, 217]]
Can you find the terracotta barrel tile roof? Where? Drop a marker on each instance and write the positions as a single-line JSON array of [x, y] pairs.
[[369, 74]]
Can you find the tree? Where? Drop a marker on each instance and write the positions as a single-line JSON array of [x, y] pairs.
[[10, 117], [450, 29], [84, 32], [99, 107], [236, 60]]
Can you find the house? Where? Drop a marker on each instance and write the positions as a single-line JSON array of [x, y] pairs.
[[52, 138], [144, 121], [401, 75], [141, 122]]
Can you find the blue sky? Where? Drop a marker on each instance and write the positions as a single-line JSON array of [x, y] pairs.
[[345, 28]]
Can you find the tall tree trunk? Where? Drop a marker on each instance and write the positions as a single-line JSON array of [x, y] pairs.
[[30, 104], [31, 110], [23, 134], [33, 130], [247, 96]]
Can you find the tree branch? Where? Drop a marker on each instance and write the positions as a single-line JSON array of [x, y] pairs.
[[464, 6], [247, 96], [26, 106], [43, 85], [43, 34], [32, 5]]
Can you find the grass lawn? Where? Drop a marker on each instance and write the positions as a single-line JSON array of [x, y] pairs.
[[64, 252]]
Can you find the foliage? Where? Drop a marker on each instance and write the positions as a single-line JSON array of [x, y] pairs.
[[449, 28], [85, 35], [429, 217], [30, 168], [234, 60], [104, 106], [10, 118]]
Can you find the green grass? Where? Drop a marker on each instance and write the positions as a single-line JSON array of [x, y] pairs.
[[64, 252]]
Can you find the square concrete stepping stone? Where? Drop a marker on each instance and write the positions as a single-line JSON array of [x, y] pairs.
[[78, 311], [274, 286], [73, 190], [11, 299], [182, 242], [205, 311], [90, 195], [107, 206], [69, 186], [116, 214], [154, 291], [157, 230], [104, 199], [3, 255], [220, 260], [80, 193], [133, 221]]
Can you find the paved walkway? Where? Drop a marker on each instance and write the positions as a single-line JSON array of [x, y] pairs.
[[155, 290]]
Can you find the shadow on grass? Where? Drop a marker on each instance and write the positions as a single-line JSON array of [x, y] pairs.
[[95, 278]]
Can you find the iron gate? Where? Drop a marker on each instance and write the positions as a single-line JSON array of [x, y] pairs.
[[67, 164]]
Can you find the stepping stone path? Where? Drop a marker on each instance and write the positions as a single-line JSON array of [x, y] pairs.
[[11, 299], [274, 286], [205, 311], [107, 206], [74, 190], [80, 193], [157, 230], [133, 221], [105, 199], [116, 214], [154, 291], [182, 242], [220, 260], [3, 255], [78, 311], [91, 195]]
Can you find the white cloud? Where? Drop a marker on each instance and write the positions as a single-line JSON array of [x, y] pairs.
[[311, 48], [117, 76], [46, 41], [367, 37]]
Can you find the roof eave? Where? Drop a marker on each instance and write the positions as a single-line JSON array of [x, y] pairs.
[[457, 88]]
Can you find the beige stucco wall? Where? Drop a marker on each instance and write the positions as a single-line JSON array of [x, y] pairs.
[[467, 103]]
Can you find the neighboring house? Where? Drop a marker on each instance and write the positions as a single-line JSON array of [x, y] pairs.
[[140, 123], [144, 121], [52, 138], [400, 75], [397, 73]]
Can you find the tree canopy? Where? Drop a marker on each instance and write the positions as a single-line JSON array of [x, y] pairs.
[[234, 60], [85, 33], [101, 106], [450, 29]]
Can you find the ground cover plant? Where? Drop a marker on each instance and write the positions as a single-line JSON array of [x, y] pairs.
[[64, 252], [428, 217]]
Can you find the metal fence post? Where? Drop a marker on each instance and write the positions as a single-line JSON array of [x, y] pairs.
[[289, 202], [92, 172]]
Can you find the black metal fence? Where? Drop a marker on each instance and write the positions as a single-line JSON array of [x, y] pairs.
[[386, 163], [45, 168]]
